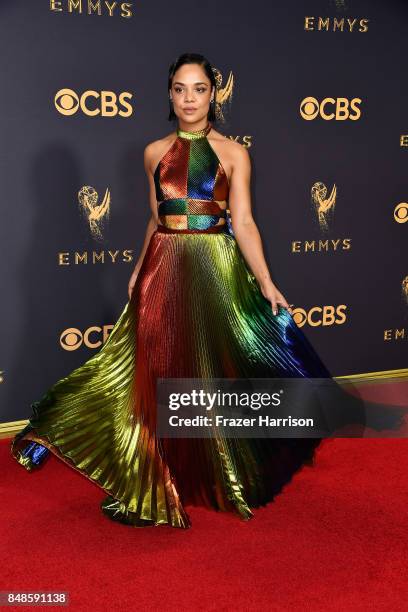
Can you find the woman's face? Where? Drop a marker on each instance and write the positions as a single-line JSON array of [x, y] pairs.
[[191, 93]]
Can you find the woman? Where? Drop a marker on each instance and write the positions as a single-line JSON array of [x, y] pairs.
[[201, 304]]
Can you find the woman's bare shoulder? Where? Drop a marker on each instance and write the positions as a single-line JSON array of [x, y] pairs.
[[233, 152], [155, 149], [229, 143]]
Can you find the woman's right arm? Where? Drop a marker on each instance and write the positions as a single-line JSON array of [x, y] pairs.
[[149, 154]]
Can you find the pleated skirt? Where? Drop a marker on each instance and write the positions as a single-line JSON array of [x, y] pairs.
[[196, 311]]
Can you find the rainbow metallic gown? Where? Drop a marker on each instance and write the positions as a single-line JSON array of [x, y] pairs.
[[196, 311]]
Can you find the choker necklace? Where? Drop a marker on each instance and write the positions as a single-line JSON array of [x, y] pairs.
[[194, 135]]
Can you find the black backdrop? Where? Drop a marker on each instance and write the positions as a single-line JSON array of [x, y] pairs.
[[279, 54]]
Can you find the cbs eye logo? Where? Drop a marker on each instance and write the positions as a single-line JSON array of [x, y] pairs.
[[328, 109], [93, 103], [320, 316], [72, 338], [401, 212]]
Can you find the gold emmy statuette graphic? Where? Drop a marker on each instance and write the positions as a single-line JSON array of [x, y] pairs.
[[323, 205], [404, 289], [1, 376], [96, 213], [223, 95]]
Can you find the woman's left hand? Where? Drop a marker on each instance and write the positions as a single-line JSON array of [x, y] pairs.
[[271, 293]]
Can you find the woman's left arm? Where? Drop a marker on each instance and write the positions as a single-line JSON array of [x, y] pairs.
[[245, 229]]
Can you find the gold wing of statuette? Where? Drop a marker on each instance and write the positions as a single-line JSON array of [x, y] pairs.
[[325, 205], [223, 93], [99, 211]]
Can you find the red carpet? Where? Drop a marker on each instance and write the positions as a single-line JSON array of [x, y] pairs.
[[335, 539]]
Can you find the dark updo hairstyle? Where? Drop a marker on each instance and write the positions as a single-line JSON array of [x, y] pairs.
[[193, 58]]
